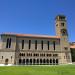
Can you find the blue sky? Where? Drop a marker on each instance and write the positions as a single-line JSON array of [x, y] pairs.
[[36, 16]]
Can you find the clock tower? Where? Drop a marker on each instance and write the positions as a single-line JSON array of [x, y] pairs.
[[61, 30]]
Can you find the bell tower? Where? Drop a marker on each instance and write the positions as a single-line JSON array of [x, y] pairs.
[[61, 30]]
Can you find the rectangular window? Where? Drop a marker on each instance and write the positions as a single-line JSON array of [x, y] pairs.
[[8, 43], [62, 18], [54, 45], [48, 44], [22, 44], [35, 44], [42, 45], [29, 44]]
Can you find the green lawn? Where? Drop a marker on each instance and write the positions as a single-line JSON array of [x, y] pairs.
[[38, 70]]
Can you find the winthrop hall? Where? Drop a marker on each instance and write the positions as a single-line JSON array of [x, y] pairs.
[[28, 49]]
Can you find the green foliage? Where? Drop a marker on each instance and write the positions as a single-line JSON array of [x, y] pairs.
[[38, 70]]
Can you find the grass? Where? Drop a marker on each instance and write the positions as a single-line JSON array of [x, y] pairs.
[[38, 70]]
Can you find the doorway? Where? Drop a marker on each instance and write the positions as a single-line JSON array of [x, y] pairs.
[[6, 61]]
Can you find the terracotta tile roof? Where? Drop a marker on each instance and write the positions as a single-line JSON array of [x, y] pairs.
[[72, 46], [31, 35]]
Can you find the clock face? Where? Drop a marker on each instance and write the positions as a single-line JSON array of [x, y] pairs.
[[64, 32]]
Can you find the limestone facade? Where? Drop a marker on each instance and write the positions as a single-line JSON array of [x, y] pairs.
[[27, 49]]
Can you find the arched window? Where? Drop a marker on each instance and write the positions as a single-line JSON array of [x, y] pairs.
[[40, 61], [2, 57], [56, 61], [27, 61], [23, 61], [44, 61], [47, 61], [37, 61], [11, 57], [22, 54], [20, 61], [62, 24], [50, 61], [30, 61], [34, 61], [53, 61]]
